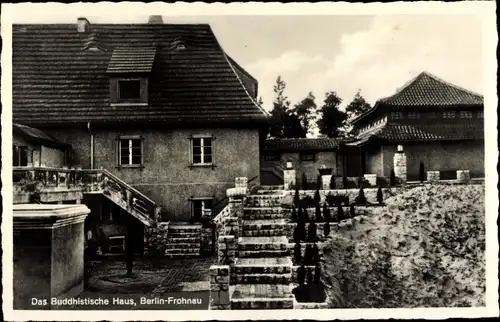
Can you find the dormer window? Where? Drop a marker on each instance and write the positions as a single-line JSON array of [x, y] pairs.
[[129, 90]]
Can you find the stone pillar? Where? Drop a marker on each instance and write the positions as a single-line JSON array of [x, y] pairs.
[[219, 288], [227, 250], [463, 176], [289, 179], [325, 180], [48, 252], [400, 164], [236, 200], [241, 182], [433, 176]]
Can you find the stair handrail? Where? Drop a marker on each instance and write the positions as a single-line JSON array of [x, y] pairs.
[[125, 185]]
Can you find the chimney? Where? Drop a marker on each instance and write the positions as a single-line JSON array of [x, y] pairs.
[[155, 19], [83, 25]]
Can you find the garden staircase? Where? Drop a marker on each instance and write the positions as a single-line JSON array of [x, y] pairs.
[[183, 241], [262, 274]]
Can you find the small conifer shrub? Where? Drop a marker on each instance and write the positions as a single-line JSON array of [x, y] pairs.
[[393, 178], [304, 182], [311, 232], [297, 253], [380, 196]]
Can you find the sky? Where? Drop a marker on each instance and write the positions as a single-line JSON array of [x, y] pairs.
[[374, 54]]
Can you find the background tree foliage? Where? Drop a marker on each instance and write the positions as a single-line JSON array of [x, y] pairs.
[[331, 118]]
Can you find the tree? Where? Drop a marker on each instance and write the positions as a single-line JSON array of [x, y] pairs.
[[340, 214], [311, 232], [393, 178], [283, 123], [352, 212], [357, 106], [380, 196], [304, 182], [319, 182], [304, 112], [260, 101], [361, 199], [294, 215], [306, 215], [331, 119], [326, 229], [319, 218], [296, 197], [317, 274], [308, 255], [301, 275], [326, 213], [297, 253], [317, 197], [332, 182], [310, 278]]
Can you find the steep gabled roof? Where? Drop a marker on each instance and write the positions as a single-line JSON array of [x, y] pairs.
[[57, 81], [37, 136], [427, 90], [301, 144]]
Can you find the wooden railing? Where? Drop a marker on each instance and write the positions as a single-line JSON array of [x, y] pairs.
[[42, 179]]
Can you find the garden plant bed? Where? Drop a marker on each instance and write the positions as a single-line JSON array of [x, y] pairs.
[[310, 293]]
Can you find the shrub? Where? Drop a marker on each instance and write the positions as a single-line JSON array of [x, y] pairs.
[[310, 277], [361, 199], [297, 253], [319, 218], [304, 182], [317, 197], [317, 274], [422, 172], [308, 255], [346, 200], [296, 198], [301, 275], [294, 215], [307, 202], [296, 233], [382, 182], [380, 196], [352, 212], [300, 215], [306, 216], [332, 182], [300, 231], [326, 213], [345, 182], [336, 200], [319, 182], [340, 213], [393, 178], [315, 254], [311, 232], [326, 229]]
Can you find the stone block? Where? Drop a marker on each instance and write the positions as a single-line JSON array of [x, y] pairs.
[[433, 176], [325, 180], [463, 176], [222, 279], [400, 166], [241, 182], [289, 179], [224, 297], [371, 178]]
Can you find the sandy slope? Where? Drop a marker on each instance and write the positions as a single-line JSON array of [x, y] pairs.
[[433, 238]]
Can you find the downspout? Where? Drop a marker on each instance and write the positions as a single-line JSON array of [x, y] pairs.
[[91, 146]]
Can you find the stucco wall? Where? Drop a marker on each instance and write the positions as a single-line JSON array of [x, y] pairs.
[[50, 157], [373, 161], [166, 176], [310, 168], [438, 156]]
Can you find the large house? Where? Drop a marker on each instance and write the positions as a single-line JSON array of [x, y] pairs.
[[437, 124], [161, 108]]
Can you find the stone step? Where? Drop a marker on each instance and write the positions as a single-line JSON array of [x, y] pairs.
[[263, 233], [179, 234], [183, 230], [262, 210], [262, 296], [171, 245], [181, 240], [270, 265], [264, 201], [272, 187], [262, 216], [262, 253], [262, 243], [182, 251], [179, 256], [264, 224], [259, 278]]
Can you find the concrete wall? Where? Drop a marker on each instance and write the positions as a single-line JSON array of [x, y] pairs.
[[310, 168], [166, 176], [438, 156]]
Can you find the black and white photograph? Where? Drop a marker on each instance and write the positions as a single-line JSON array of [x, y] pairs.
[[184, 158]]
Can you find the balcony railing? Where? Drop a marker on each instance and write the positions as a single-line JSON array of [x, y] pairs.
[[46, 180]]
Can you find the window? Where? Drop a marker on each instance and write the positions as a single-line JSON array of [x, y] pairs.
[[433, 115], [396, 115], [20, 156], [130, 151], [200, 206], [307, 157], [413, 115], [129, 89], [271, 157], [202, 151], [480, 114], [116, 244], [465, 114], [449, 114]]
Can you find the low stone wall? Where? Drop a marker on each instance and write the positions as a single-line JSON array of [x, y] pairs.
[[345, 224], [155, 239], [219, 288], [370, 194]]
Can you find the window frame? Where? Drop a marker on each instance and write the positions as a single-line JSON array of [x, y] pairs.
[[480, 114], [303, 156], [119, 151], [202, 138], [413, 115], [118, 89], [449, 114], [466, 115], [396, 115]]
